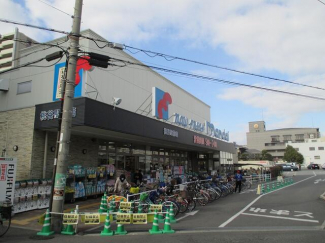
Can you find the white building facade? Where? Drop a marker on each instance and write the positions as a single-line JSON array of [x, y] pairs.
[[312, 150]]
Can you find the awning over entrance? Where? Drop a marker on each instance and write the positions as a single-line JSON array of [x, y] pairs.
[[92, 118]]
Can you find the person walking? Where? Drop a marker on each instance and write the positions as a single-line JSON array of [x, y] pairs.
[[238, 178]]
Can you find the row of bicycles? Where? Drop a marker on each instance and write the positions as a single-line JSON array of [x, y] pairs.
[[185, 197]]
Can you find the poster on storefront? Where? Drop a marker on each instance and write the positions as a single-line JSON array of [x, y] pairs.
[[178, 170], [93, 218], [140, 218], [70, 218], [8, 168], [123, 218]]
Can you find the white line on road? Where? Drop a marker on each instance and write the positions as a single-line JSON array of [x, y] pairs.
[[278, 217], [188, 214], [244, 209]]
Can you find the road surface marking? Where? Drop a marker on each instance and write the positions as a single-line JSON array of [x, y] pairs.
[[187, 214], [256, 199], [278, 217]]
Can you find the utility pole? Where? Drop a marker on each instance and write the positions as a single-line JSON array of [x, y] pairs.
[[65, 134]]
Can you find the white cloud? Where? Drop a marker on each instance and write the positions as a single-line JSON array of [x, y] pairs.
[[279, 35], [286, 109]]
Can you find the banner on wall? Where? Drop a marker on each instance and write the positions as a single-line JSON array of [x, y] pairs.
[[8, 168]]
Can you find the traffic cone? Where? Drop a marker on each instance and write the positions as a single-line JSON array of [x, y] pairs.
[[268, 188], [68, 230], [46, 230], [167, 228], [171, 214], [262, 189], [120, 228], [155, 226], [273, 187], [161, 218], [258, 192], [107, 227], [101, 207]]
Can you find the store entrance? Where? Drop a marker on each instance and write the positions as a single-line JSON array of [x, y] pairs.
[[130, 163]]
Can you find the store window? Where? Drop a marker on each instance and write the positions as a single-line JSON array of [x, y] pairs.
[[120, 162]]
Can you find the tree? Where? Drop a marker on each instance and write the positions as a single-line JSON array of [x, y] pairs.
[[266, 156], [291, 155]]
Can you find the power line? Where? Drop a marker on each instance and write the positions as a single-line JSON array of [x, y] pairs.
[[215, 80], [24, 65], [321, 2], [34, 26], [167, 57], [56, 8], [171, 58]]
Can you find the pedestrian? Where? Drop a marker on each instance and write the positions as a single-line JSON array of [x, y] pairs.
[[121, 184], [239, 179]]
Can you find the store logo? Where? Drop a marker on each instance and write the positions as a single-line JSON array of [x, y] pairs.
[[59, 73], [160, 102]]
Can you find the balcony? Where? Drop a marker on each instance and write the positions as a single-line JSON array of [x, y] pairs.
[[7, 44], [5, 61], [6, 53]]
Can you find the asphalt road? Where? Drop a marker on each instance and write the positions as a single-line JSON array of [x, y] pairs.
[[294, 213]]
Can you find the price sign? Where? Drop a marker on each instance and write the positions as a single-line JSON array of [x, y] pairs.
[[123, 218], [154, 207], [140, 218], [125, 206], [70, 218], [92, 218]]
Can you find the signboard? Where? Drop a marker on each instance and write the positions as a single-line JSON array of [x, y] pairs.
[[70, 218], [92, 218], [140, 218], [59, 78], [154, 207], [160, 102], [123, 218], [125, 206], [8, 168]]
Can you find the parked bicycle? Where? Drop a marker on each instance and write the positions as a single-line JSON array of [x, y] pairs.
[[5, 217]]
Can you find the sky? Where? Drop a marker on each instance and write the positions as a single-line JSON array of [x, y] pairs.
[[279, 39]]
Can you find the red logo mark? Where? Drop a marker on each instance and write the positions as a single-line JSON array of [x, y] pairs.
[[82, 63], [163, 104]]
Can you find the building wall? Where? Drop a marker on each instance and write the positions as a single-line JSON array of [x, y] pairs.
[[16, 128], [131, 83], [76, 156], [316, 156], [274, 140]]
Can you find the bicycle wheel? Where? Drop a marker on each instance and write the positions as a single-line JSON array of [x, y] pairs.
[[183, 205], [191, 204], [5, 221], [201, 198], [212, 195], [248, 184], [166, 205]]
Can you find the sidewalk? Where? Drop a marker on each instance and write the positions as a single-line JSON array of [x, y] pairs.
[[29, 219]]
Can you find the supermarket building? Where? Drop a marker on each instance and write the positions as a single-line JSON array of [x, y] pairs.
[[156, 125]]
